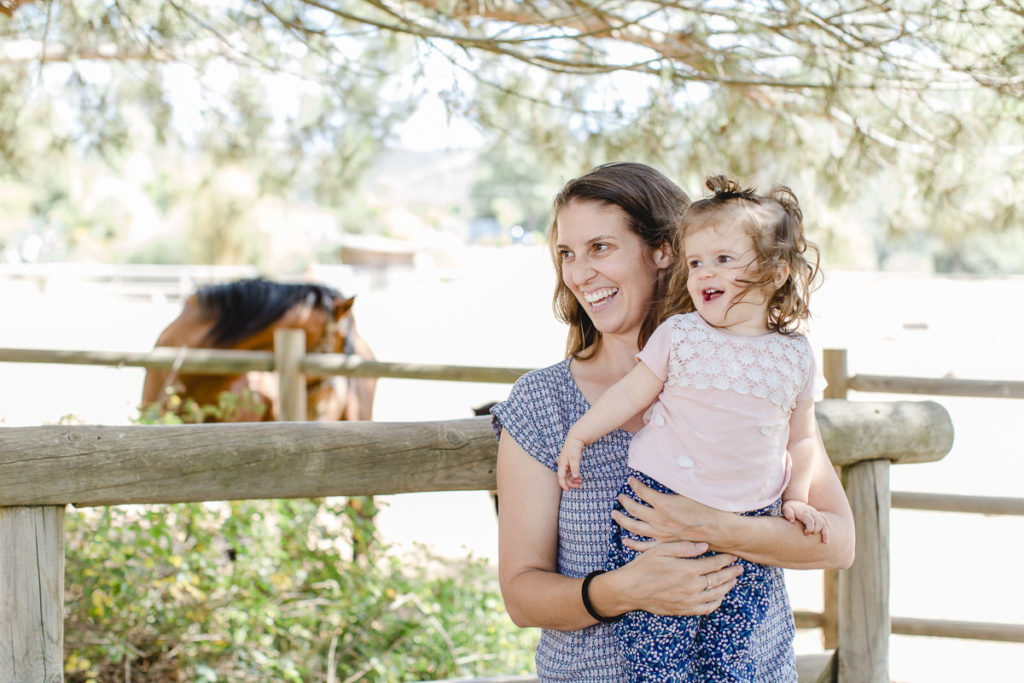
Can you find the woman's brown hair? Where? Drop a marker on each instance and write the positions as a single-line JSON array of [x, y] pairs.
[[653, 206]]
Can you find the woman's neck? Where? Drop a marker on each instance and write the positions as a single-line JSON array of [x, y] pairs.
[[616, 355]]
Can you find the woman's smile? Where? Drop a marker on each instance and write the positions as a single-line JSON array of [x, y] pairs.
[[600, 298]]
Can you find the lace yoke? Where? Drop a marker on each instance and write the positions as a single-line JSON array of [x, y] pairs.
[[772, 366]]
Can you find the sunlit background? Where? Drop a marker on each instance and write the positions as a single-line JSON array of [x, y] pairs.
[[407, 153]]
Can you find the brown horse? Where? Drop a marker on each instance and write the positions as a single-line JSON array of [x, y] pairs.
[[243, 315]]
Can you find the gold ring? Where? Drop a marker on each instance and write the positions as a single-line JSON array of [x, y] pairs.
[[708, 577]]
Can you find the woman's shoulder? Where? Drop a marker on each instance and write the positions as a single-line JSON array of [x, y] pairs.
[[538, 411], [552, 376], [538, 389]]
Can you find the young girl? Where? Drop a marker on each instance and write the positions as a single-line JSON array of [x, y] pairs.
[[731, 386]]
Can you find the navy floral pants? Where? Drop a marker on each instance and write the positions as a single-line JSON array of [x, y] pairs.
[[748, 638]]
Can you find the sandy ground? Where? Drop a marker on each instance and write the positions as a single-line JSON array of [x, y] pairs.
[[494, 309]]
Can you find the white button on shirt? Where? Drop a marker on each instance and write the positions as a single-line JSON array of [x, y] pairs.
[[659, 420], [683, 461], [767, 430]]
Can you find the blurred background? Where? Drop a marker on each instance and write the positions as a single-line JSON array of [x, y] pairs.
[[407, 153]]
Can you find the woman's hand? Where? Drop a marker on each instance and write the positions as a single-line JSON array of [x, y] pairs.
[[765, 540], [665, 517], [668, 579]]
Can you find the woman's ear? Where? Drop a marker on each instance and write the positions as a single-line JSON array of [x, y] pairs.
[[664, 256], [781, 274]]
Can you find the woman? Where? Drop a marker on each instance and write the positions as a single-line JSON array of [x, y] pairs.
[[611, 240]]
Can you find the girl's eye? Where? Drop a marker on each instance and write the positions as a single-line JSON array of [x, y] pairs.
[[693, 264], [724, 258]]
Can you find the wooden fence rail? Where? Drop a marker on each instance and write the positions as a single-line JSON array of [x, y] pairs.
[[840, 383], [42, 469], [217, 361]]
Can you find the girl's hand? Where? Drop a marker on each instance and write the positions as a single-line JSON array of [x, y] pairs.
[[569, 464], [813, 521], [666, 517], [670, 579]]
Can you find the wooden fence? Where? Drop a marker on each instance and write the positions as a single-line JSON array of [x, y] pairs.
[[840, 383], [42, 469]]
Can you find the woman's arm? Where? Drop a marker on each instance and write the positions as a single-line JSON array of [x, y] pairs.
[[765, 540], [664, 581]]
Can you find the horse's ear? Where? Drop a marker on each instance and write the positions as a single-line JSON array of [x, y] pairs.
[[344, 306]]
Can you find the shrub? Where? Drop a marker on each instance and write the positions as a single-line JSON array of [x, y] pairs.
[[269, 591]]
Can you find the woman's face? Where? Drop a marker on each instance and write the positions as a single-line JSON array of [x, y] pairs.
[[608, 267]]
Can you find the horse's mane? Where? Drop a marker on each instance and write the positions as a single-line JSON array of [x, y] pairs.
[[245, 307]]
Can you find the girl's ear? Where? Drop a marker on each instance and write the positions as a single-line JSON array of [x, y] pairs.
[[781, 274], [663, 255]]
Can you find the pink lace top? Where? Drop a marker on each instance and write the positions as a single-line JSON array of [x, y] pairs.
[[719, 429]]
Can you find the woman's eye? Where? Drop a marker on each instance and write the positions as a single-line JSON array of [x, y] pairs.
[[600, 246], [564, 254]]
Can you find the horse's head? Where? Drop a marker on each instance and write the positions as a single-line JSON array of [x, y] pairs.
[[335, 334]]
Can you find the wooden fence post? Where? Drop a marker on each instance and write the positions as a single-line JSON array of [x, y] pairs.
[[32, 593], [864, 623], [833, 365], [289, 348]]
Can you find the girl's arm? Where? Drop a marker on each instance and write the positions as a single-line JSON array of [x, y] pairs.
[[803, 440], [765, 540], [664, 581], [621, 401], [803, 446]]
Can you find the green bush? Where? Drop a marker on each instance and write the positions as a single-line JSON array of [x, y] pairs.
[[270, 591]]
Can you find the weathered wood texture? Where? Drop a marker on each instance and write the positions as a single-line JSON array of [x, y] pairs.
[[32, 594], [938, 386], [218, 361], [948, 628], [90, 465], [289, 348], [833, 365], [167, 464], [898, 431], [948, 502], [353, 366], [194, 361], [864, 587], [820, 667]]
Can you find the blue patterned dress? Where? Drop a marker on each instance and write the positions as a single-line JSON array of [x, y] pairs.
[[541, 407]]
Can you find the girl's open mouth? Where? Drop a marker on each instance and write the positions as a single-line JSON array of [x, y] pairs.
[[710, 294]]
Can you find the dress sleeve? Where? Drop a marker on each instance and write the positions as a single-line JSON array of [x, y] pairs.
[[816, 382], [656, 351], [532, 416]]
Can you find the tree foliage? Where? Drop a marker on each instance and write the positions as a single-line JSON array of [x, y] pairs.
[[898, 119]]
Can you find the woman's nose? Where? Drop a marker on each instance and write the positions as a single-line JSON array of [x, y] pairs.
[[582, 271]]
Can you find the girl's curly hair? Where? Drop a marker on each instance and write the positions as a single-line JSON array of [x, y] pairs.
[[774, 223]]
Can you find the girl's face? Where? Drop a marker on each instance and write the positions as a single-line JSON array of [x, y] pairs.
[[609, 268], [718, 257]]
